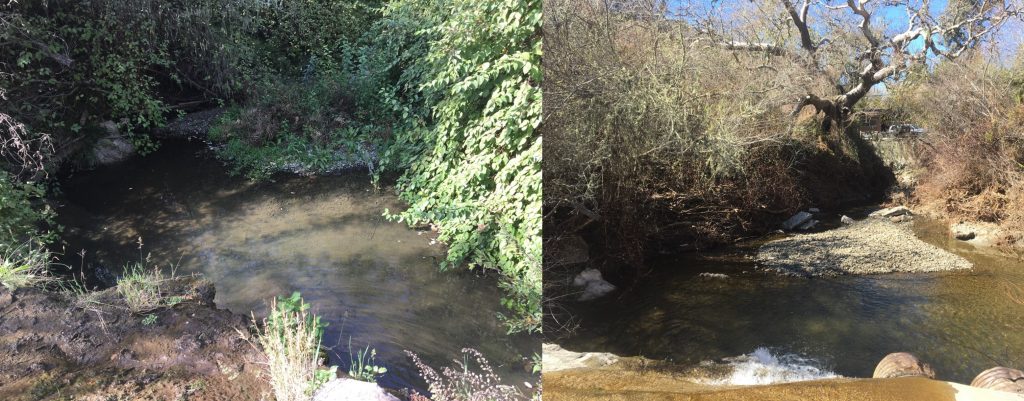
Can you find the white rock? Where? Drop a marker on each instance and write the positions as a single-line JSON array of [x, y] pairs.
[[587, 276], [593, 285], [891, 212], [808, 225], [713, 275], [345, 389], [796, 220], [596, 289], [846, 219]]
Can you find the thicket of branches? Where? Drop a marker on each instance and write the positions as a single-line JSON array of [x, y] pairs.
[[973, 110], [658, 134]]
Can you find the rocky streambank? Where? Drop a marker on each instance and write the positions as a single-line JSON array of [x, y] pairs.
[[875, 245]]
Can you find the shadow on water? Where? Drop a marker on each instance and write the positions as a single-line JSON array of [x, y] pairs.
[[372, 280], [960, 322]]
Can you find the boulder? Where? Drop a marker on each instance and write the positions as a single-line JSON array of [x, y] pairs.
[[345, 389], [902, 364], [113, 147], [796, 220], [593, 285], [1001, 379], [892, 212], [846, 220]]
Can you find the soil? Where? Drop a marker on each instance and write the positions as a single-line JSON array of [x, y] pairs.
[[59, 346], [870, 246]]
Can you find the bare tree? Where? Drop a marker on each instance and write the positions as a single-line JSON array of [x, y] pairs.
[[853, 46]]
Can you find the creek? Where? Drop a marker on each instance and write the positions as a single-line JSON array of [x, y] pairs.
[[771, 328], [373, 281]]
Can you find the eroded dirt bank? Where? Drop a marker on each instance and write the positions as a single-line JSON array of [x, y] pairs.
[[60, 346]]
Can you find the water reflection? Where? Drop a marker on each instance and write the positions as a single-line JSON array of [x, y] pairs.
[[960, 322], [372, 280]]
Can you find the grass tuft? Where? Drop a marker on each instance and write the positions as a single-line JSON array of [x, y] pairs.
[[23, 266], [140, 288], [290, 339]]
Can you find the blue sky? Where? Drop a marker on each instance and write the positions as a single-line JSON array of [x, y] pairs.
[[1010, 36]]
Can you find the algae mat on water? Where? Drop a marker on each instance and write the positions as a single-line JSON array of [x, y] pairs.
[[619, 385]]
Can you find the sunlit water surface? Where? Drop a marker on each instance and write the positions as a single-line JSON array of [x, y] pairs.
[[960, 322]]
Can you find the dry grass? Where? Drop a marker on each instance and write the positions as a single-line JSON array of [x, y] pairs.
[[23, 266], [472, 379], [973, 110], [140, 288], [291, 342]]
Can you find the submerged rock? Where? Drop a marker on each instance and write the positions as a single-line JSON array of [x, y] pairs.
[[902, 364], [345, 389], [593, 285]]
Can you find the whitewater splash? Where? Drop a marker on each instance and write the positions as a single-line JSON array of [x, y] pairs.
[[763, 367]]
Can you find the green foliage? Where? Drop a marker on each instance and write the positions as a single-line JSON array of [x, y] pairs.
[[149, 320], [448, 94], [20, 217], [282, 318], [362, 366], [467, 142]]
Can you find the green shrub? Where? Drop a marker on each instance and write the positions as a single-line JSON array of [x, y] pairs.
[[22, 213], [363, 365], [467, 140]]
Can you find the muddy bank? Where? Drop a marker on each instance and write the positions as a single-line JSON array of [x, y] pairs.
[[870, 246], [60, 346], [637, 383]]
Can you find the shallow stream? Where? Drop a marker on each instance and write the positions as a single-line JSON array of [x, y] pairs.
[[372, 280], [773, 328]]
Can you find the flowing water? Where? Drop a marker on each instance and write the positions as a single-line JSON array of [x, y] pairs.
[[772, 328], [372, 280]]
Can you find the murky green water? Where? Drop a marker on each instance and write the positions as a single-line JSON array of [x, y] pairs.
[[373, 280], [959, 322]]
